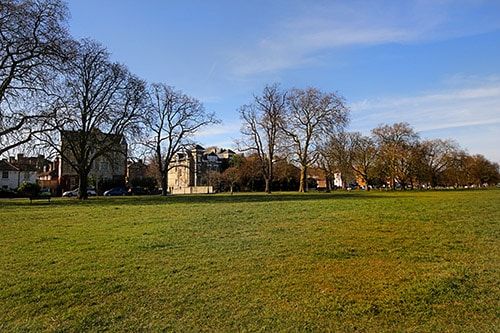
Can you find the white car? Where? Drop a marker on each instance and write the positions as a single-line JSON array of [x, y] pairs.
[[90, 192]]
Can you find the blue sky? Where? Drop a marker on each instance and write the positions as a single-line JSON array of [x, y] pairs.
[[434, 64]]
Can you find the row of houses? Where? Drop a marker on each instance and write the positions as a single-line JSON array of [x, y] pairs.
[[13, 175], [190, 173]]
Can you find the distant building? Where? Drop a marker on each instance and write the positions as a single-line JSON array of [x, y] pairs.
[[22, 162], [322, 183], [12, 176], [33, 170], [49, 177], [111, 166], [137, 170], [337, 180], [192, 168]]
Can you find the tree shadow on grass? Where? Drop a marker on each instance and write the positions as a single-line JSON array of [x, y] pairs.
[[201, 199]]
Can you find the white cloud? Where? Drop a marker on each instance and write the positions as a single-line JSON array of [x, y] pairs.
[[222, 135], [440, 114], [450, 108], [218, 130], [301, 39]]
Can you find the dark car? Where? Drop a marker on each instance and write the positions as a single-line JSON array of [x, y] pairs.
[[116, 191]]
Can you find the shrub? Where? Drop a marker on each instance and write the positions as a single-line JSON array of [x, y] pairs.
[[146, 182], [6, 193], [29, 189]]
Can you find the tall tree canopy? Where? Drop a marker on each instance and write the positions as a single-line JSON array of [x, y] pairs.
[[260, 129], [33, 43], [98, 103], [396, 147], [311, 115]]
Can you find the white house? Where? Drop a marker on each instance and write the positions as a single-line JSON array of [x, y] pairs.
[[11, 177], [337, 180]]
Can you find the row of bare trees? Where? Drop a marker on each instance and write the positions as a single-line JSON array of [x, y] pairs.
[[292, 125], [55, 90], [394, 155], [306, 127]]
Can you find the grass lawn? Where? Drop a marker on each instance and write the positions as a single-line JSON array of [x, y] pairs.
[[414, 261]]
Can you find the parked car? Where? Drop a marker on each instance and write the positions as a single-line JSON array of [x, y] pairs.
[[115, 191], [90, 192]]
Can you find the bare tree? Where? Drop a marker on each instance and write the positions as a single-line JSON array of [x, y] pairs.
[[173, 119], [261, 120], [231, 177], [482, 171], [437, 156], [396, 143], [363, 154], [311, 115], [33, 42], [98, 103], [335, 156]]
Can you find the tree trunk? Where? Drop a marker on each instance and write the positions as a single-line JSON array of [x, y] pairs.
[[83, 182], [303, 179], [164, 185], [365, 179], [269, 180], [433, 181], [268, 186], [164, 182]]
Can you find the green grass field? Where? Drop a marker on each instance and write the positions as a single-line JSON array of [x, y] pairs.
[[378, 261]]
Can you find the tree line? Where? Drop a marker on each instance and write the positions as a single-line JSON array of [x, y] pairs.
[[395, 156], [56, 89], [299, 129]]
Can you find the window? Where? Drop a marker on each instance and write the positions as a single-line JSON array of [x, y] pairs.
[[5, 174]]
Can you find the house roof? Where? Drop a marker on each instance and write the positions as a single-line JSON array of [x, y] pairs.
[[6, 166]]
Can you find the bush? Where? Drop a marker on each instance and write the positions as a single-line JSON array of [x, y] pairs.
[[29, 189], [146, 182], [6, 193]]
